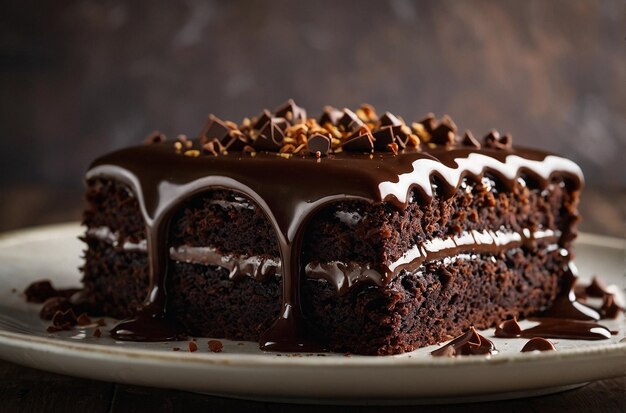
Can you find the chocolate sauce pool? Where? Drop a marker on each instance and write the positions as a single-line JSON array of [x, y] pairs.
[[290, 191]]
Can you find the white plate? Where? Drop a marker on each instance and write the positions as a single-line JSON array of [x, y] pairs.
[[244, 371]]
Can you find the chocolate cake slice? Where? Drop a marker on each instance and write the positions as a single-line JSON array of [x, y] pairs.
[[352, 232]]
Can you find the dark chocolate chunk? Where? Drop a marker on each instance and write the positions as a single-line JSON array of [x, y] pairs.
[[470, 140], [444, 133], [270, 136], [319, 143], [360, 143], [383, 137], [192, 346], [493, 140], [260, 121], [236, 141], [40, 291], [538, 344], [389, 119], [330, 115], [214, 129], [349, 122], [292, 112], [429, 122]]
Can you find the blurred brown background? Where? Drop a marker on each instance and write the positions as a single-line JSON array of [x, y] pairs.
[[79, 78]]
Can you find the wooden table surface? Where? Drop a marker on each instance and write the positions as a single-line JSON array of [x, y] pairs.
[[27, 390]]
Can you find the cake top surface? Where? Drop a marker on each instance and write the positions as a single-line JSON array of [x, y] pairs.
[[315, 161]]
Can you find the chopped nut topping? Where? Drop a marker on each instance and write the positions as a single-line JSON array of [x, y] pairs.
[[287, 131]]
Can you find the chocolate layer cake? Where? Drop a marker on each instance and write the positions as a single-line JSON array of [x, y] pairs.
[[352, 232]]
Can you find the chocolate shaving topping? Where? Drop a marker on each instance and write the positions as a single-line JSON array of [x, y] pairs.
[[389, 119], [270, 136], [444, 133], [260, 121], [235, 141], [493, 140], [349, 122], [429, 122], [214, 129], [287, 131], [360, 143], [470, 140], [319, 143], [330, 115], [383, 137], [292, 112]]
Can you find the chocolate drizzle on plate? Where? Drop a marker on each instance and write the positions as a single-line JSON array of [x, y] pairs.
[[538, 344], [468, 344], [291, 190]]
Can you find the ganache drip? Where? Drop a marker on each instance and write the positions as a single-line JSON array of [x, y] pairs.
[[468, 344], [291, 190]]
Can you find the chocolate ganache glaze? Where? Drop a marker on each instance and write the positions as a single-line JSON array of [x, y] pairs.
[[291, 187]]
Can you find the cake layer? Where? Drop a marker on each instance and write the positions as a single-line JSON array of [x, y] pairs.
[[439, 299], [344, 231]]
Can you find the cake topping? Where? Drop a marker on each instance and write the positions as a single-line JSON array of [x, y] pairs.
[[495, 141], [288, 130], [470, 140], [469, 343]]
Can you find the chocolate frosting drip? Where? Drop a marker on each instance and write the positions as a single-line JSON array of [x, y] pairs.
[[290, 191], [470, 343]]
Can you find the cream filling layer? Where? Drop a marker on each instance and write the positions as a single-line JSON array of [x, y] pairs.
[[344, 275]]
